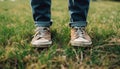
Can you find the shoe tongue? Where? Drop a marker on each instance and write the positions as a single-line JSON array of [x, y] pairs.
[[42, 28], [78, 27], [39, 28]]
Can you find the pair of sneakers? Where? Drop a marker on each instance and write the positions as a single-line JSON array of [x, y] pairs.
[[79, 37]]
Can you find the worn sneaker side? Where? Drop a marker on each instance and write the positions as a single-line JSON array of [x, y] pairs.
[[42, 37], [79, 37]]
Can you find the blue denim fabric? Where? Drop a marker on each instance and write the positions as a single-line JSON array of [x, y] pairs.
[[42, 12]]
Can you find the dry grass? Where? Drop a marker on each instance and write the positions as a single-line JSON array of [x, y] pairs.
[[16, 30]]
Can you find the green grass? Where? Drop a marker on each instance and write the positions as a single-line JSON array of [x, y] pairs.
[[17, 28]]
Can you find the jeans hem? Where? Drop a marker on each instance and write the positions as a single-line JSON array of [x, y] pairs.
[[43, 23], [78, 24]]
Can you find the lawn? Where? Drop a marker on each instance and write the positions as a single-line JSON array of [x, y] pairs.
[[17, 29]]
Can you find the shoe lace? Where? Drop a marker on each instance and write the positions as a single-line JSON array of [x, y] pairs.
[[40, 31], [80, 32]]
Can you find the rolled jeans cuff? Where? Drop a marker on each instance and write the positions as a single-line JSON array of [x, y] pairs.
[[43, 23], [78, 24]]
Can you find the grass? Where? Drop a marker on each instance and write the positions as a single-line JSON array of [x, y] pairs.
[[17, 29]]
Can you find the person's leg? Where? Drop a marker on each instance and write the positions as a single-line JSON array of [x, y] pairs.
[[41, 12], [42, 16], [78, 12]]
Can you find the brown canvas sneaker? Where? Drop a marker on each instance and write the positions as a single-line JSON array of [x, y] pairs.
[[79, 37], [42, 38]]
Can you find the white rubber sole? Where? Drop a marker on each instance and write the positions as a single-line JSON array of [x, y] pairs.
[[44, 44], [82, 44]]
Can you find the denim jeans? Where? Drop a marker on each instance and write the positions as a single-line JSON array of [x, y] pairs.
[[78, 10]]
